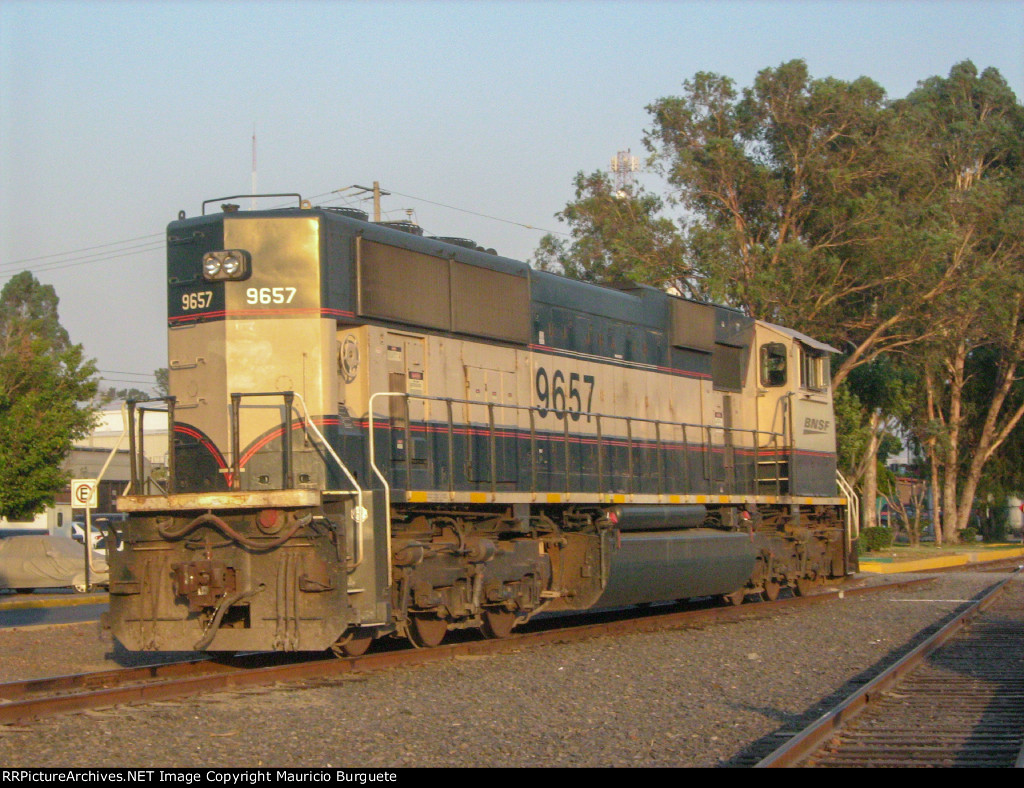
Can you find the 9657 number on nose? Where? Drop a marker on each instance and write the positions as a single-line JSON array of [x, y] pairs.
[[269, 295]]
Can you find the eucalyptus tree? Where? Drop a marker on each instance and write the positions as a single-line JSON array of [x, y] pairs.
[[619, 235], [972, 128], [804, 205], [796, 199], [884, 227]]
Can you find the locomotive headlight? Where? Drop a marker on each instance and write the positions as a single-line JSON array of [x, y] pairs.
[[227, 264], [231, 264], [211, 266]]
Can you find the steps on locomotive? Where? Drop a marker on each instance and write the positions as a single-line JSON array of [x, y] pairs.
[[772, 477]]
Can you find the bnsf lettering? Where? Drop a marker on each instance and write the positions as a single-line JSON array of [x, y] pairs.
[[816, 425]]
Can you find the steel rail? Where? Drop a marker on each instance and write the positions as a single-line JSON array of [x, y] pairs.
[[24, 701], [813, 738]]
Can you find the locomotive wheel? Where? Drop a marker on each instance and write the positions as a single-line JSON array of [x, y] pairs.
[[426, 631], [354, 644], [771, 590], [498, 623], [735, 598], [804, 586]]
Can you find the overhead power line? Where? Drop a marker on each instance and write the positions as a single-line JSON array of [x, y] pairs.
[[83, 249], [122, 372], [100, 253], [476, 213], [8, 269], [129, 381]]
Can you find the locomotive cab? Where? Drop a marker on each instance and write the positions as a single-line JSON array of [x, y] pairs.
[[794, 402]]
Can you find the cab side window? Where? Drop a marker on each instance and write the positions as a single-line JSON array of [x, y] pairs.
[[773, 364], [813, 370]]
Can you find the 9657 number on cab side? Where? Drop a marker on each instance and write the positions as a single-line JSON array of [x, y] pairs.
[[556, 395]]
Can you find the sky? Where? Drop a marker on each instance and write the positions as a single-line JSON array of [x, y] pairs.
[[474, 115]]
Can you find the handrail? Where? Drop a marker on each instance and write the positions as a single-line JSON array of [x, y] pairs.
[[136, 442], [852, 509], [706, 432], [286, 443], [568, 414], [376, 470], [359, 514]]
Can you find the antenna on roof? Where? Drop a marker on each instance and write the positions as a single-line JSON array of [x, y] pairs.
[[253, 190]]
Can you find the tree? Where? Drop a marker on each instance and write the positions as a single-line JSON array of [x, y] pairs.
[[618, 236], [45, 382], [748, 168], [884, 390], [972, 128], [879, 226], [163, 382], [800, 204], [112, 394], [804, 197]]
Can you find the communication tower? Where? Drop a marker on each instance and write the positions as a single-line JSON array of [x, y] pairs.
[[624, 164]]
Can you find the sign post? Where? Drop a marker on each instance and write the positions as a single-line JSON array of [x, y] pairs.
[[84, 495]]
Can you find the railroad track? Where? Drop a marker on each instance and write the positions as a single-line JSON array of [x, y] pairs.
[[956, 700], [24, 701]]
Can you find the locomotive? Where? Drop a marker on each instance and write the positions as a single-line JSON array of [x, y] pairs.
[[376, 433]]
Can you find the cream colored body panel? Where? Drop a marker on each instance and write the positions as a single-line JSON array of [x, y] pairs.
[[507, 377], [196, 367], [246, 356]]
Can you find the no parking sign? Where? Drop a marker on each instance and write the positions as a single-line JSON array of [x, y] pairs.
[[83, 493]]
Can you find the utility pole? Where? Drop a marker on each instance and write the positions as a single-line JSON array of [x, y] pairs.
[[377, 192]]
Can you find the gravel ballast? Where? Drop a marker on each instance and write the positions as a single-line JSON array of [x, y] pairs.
[[722, 695]]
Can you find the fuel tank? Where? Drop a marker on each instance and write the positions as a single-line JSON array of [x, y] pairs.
[[660, 566]]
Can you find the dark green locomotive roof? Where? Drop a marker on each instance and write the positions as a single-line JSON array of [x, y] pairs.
[[630, 322]]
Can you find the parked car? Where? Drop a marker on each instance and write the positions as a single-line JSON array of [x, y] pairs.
[[78, 533], [30, 562], [101, 529]]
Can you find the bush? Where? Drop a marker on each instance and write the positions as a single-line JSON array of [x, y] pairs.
[[968, 535], [875, 538], [996, 526]]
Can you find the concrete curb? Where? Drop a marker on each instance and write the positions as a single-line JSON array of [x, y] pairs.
[[26, 602], [941, 562]]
